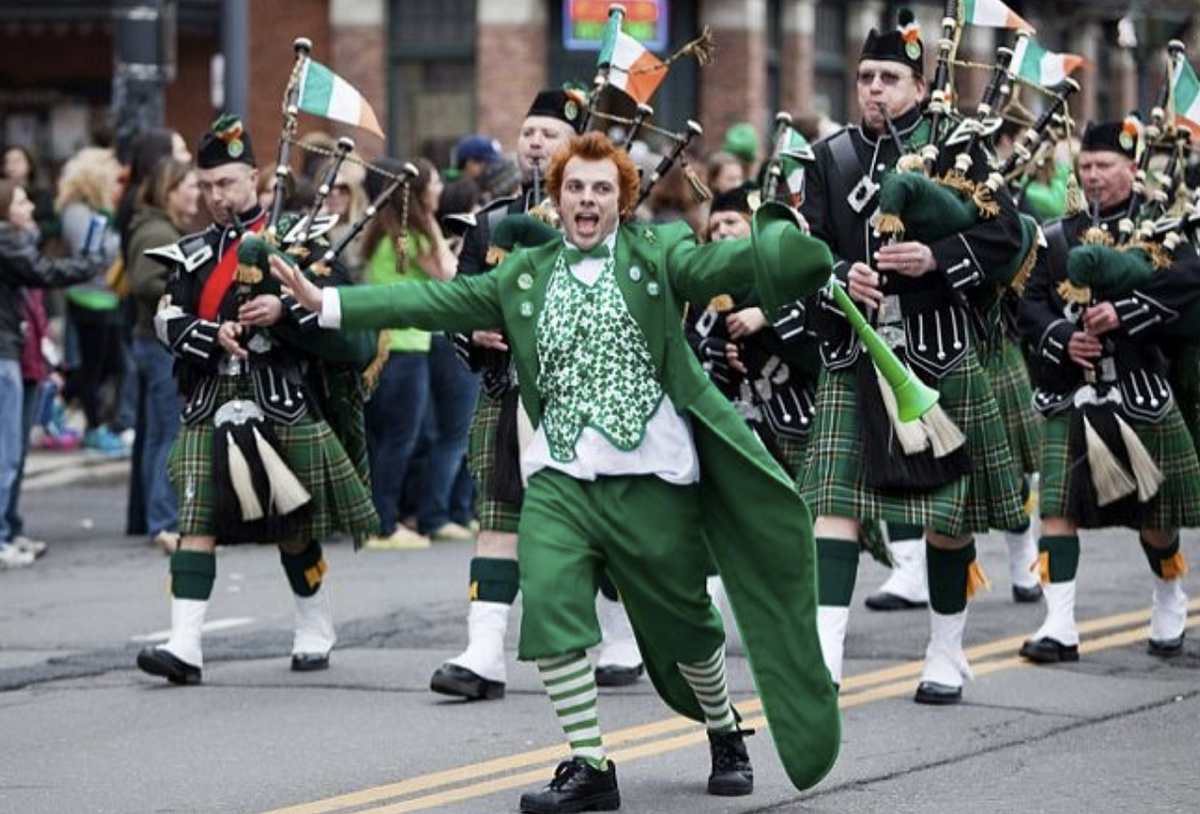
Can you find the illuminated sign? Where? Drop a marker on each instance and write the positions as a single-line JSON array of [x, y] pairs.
[[583, 23]]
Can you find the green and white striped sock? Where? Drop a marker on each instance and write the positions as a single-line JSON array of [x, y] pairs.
[[707, 679], [571, 685]]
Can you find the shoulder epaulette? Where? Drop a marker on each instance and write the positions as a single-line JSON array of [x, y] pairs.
[[190, 251]]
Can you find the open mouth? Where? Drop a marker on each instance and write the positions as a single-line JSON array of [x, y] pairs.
[[586, 223]]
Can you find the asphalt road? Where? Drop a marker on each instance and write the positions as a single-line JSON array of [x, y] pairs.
[[81, 730]]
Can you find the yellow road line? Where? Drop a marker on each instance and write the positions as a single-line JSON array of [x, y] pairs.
[[889, 682]]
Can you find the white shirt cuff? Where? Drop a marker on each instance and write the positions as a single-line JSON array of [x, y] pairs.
[[331, 309]]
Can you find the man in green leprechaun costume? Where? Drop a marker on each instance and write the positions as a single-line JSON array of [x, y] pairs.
[[639, 468]]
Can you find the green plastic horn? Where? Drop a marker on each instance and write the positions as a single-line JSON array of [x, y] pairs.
[[913, 397]]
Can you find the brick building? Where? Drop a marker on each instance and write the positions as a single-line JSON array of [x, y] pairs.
[[435, 69]]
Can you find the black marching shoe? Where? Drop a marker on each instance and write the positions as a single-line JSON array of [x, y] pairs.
[[886, 601], [931, 692], [732, 775], [1026, 594], [309, 662], [450, 679], [612, 675], [159, 662], [576, 786], [1165, 648], [1048, 651]]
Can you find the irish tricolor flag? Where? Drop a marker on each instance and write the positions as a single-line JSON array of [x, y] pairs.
[[992, 14], [324, 93], [1186, 91], [633, 69], [1034, 63]]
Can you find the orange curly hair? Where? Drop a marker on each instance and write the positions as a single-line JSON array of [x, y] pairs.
[[595, 146]]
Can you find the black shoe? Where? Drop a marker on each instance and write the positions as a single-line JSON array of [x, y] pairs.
[[1026, 594], [450, 679], [159, 662], [308, 662], [1049, 651], [612, 675], [1165, 648], [884, 601], [576, 786], [732, 775], [931, 692]]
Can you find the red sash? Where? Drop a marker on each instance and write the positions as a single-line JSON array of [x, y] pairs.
[[222, 277]]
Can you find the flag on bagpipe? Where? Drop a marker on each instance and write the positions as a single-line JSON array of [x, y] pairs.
[[1043, 67], [633, 68], [1185, 90], [992, 14], [324, 93]]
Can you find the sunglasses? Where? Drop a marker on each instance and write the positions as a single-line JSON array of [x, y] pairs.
[[889, 79]]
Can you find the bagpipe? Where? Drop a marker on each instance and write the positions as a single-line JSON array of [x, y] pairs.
[[258, 496]]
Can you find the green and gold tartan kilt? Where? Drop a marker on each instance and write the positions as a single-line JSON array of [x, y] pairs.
[[341, 498], [990, 497], [1014, 396], [793, 451], [1177, 504], [493, 514]]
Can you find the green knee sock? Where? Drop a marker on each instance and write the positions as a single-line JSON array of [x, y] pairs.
[[902, 532], [1166, 563], [1058, 557], [608, 588], [837, 570], [571, 685], [192, 574], [708, 681], [494, 580], [304, 570], [947, 573]]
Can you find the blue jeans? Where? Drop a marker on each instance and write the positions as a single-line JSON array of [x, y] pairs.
[[12, 396], [454, 389], [394, 417], [12, 514], [159, 416]]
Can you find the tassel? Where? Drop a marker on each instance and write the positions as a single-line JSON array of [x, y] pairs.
[[402, 253], [1109, 478], [700, 191], [986, 204], [370, 375], [1096, 235], [944, 434], [1145, 471], [1022, 275], [911, 434], [1043, 567], [1076, 200], [977, 578], [703, 48], [287, 492], [890, 226], [1175, 567], [1158, 255], [958, 182], [247, 275], [1078, 295], [495, 255], [240, 479]]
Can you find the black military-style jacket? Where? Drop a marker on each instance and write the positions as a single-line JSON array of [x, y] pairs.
[[496, 366], [936, 324], [1133, 363], [279, 361]]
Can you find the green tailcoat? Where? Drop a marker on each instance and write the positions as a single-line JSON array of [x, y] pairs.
[[758, 529]]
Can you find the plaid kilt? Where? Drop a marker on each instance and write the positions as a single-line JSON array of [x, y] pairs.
[[493, 514], [1009, 377], [990, 497], [1177, 504], [341, 496]]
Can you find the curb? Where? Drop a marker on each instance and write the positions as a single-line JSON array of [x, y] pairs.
[[45, 470]]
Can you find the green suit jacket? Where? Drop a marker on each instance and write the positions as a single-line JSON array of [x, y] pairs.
[[758, 529]]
